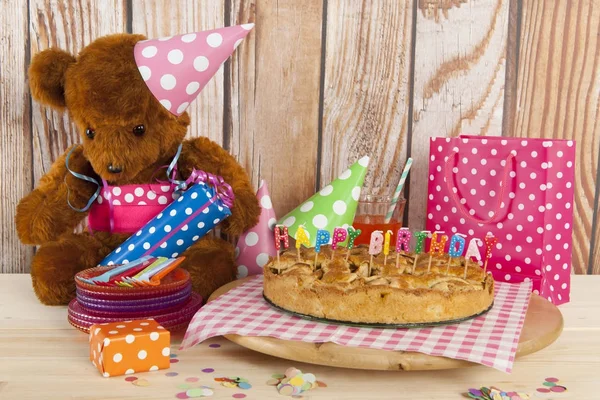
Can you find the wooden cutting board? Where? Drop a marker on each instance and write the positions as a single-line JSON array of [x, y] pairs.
[[543, 325]]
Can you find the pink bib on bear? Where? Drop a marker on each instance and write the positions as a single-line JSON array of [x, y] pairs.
[[129, 206]]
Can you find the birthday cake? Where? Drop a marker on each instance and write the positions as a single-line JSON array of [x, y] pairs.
[[392, 289]]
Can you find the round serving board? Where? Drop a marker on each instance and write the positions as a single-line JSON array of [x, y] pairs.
[[543, 325]]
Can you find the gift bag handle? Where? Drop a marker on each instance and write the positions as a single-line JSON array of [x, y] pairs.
[[504, 183]]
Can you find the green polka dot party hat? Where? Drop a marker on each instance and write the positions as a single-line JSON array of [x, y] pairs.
[[333, 206]]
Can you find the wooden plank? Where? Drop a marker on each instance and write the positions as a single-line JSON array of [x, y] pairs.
[[160, 18], [69, 25], [366, 90], [272, 116], [15, 132], [559, 95], [459, 79], [594, 263]]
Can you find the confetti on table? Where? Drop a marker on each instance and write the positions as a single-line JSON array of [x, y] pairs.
[[173, 355], [174, 360], [208, 370], [234, 382], [238, 396], [493, 393], [141, 382], [131, 378], [192, 379], [182, 395], [171, 374], [214, 345], [199, 392], [294, 382], [551, 388]]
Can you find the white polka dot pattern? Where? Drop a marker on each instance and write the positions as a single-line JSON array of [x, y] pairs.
[[175, 69], [528, 214], [332, 206], [256, 245], [137, 346], [176, 227]]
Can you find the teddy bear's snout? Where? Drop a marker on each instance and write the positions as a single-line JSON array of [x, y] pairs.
[[114, 169]]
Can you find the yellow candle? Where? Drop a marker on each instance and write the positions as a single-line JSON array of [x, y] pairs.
[[302, 238], [386, 243]]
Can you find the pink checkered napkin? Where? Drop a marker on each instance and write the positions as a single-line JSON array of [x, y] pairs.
[[490, 339]]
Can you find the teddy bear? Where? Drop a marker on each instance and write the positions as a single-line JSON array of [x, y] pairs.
[[127, 134]]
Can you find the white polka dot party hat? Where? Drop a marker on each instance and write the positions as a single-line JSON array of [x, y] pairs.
[[177, 68], [334, 205], [256, 245]]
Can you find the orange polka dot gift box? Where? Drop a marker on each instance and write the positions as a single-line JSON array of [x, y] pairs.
[[129, 347]]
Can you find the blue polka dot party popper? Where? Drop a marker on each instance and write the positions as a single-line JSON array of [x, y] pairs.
[[205, 203], [333, 206]]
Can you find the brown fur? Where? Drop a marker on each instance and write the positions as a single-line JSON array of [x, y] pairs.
[[102, 89]]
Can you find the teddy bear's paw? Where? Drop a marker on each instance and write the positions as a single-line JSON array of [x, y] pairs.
[[55, 264], [211, 264]]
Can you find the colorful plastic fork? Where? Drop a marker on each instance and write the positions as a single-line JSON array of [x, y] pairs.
[[108, 275], [145, 276], [155, 280], [129, 272], [129, 281]]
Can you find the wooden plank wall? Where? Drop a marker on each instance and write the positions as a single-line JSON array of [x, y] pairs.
[[319, 83]]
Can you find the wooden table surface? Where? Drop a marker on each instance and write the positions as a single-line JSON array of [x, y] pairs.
[[42, 356]]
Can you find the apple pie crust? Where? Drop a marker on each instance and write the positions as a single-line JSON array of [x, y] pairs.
[[357, 291]]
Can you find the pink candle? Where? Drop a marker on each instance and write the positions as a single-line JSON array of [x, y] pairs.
[[490, 242], [339, 235], [375, 247]]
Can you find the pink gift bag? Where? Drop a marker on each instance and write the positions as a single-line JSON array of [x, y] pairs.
[[519, 190]]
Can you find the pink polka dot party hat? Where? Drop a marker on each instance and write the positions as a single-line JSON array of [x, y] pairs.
[[177, 68]]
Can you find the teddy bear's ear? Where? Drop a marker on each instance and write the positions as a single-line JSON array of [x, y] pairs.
[[47, 77]]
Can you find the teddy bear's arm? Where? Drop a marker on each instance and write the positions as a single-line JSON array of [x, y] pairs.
[[204, 154], [44, 214]]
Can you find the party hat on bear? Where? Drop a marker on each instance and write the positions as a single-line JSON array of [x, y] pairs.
[[256, 245], [334, 205], [177, 68]]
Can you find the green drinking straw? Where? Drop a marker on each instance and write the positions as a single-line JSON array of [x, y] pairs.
[[390, 212]]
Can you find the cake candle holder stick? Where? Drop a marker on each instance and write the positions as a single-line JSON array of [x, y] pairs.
[[386, 246], [280, 233], [457, 247], [339, 235], [436, 248], [472, 251], [352, 235], [375, 247], [323, 237], [421, 236], [402, 243], [490, 242], [301, 239]]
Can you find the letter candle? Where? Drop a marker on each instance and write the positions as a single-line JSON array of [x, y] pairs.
[[454, 251], [419, 246], [301, 239], [436, 248], [281, 234], [339, 235], [323, 237], [490, 242], [352, 235], [375, 247], [472, 251], [386, 245], [402, 243]]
